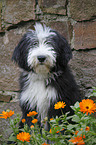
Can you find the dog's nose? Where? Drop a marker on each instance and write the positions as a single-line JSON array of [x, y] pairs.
[[41, 58]]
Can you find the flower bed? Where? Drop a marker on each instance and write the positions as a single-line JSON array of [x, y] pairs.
[[83, 131]]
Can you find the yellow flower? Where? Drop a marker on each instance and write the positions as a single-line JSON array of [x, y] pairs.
[[77, 140], [33, 113], [23, 120], [23, 136], [87, 106], [6, 114], [59, 105], [34, 120]]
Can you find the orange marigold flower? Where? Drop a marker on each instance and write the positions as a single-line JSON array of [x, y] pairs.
[[34, 120], [60, 130], [32, 126], [45, 143], [77, 140], [23, 120], [87, 106], [51, 119], [87, 128], [84, 136], [50, 131], [57, 131], [33, 113], [23, 136], [6, 114], [76, 132], [59, 105]]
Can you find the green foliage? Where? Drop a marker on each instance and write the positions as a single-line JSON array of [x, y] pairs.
[[61, 131]]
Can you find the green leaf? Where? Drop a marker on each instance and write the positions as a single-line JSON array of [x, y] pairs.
[[11, 122], [12, 138], [76, 105], [21, 130], [1, 135], [69, 117], [70, 126], [76, 118]]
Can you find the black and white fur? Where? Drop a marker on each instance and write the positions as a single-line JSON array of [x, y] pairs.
[[43, 54]]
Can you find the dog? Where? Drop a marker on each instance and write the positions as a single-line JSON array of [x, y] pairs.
[[43, 55]]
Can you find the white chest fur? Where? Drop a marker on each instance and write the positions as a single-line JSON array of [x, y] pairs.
[[37, 94]]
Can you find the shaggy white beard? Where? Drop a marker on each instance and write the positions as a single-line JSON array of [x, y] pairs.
[[42, 69]]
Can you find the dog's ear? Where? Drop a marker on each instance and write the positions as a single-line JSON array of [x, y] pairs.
[[64, 53], [21, 51]]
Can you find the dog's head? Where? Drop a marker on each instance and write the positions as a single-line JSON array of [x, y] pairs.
[[42, 50]]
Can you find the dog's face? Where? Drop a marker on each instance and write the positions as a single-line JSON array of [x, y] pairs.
[[42, 50], [41, 56]]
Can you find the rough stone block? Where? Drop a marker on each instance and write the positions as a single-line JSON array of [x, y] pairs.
[[64, 28], [53, 7], [83, 65], [82, 9], [19, 10], [5, 98], [9, 73], [84, 35], [0, 14]]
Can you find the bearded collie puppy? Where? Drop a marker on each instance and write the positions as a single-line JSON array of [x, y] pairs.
[[43, 56]]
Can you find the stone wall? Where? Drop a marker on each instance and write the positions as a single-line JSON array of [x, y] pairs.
[[74, 19]]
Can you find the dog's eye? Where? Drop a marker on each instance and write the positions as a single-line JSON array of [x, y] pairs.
[[35, 43], [47, 42]]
